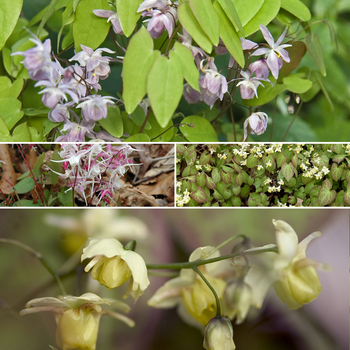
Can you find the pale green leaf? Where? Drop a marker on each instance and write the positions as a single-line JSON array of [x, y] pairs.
[[207, 18], [127, 14], [231, 13], [164, 88], [188, 66], [202, 130], [4, 131], [156, 133], [191, 25], [138, 61], [247, 9], [10, 111], [296, 8], [229, 36], [88, 29], [24, 185], [21, 133], [296, 84], [48, 13], [9, 13], [8, 89], [113, 123], [264, 16], [138, 138]]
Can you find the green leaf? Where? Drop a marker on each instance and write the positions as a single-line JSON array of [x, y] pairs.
[[297, 8], [210, 183], [157, 133], [138, 138], [48, 13], [314, 48], [9, 13], [164, 88], [24, 186], [265, 15], [67, 18], [55, 166], [113, 123], [252, 162], [10, 111], [189, 69], [4, 131], [191, 25], [216, 175], [326, 195], [236, 201], [127, 14], [346, 196], [231, 13], [287, 171], [265, 94], [207, 18], [336, 172], [229, 36], [37, 167], [205, 158], [199, 195], [296, 84], [88, 29], [247, 9], [202, 131], [201, 179], [8, 89], [138, 60], [225, 177]]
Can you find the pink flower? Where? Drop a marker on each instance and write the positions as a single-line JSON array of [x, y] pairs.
[[249, 85], [257, 123], [112, 17]]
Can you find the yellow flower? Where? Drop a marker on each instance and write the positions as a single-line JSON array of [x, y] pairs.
[[218, 335], [112, 265], [196, 303], [293, 275], [77, 318]]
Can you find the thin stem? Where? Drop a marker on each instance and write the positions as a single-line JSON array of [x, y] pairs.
[[224, 243], [199, 262], [171, 38], [291, 123], [218, 307], [39, 257], [273, 118], [233, 123], [145, 121]]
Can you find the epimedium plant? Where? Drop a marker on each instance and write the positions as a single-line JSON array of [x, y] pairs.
[[260, 175], [210, 291], [160, 43]]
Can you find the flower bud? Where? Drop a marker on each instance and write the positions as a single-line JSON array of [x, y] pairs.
[[257, 123], [218, 335], [78, 328]]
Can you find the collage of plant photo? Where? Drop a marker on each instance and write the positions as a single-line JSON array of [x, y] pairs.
[[174, 174]]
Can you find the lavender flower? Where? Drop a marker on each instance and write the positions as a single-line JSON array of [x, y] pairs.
[[260, 68], [197, 53], [275, 53], [76, 132], [112, 17], [249, 85], [257, 123], [95, 107], [191, 95]]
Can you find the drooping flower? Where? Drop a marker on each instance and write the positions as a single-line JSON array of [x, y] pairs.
[[77, 318], [112, 265], [292, 274], [195, 301], [275, 53], [164, 16], [76, 132], [218, 335], [213, 85], [260, 68], [257, 123], [197, 53], [94, 107], [112, 17]]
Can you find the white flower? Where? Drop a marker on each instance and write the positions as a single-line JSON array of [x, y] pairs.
[[218, 335], [112, 265]]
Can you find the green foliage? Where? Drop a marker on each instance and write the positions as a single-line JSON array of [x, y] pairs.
[[263, 175]]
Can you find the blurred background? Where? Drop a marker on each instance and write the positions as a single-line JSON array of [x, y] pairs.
[[168, 235]]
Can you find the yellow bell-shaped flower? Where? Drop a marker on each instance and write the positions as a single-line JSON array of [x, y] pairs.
[[218, 335], [200, 300], [78, 328]]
